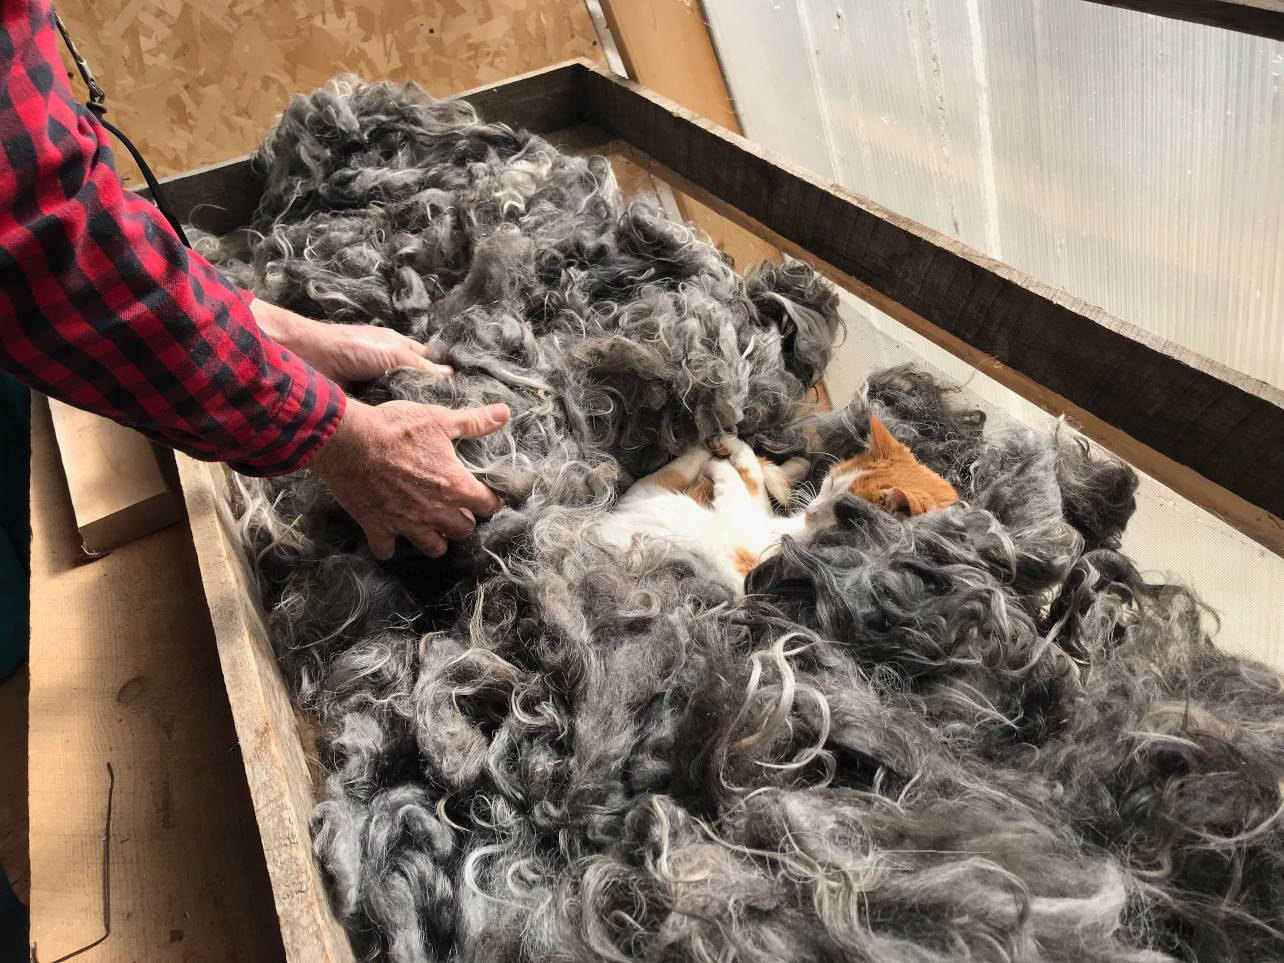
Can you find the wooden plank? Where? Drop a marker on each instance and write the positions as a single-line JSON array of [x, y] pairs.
[[541, 101], [1263, 18], [665, 45], [14, 828], [218, 198], [275, 764], [222, 197], [1264, 527], [1216, 421], [123, 670], [118, 489]]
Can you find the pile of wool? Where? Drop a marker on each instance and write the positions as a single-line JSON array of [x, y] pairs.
[[977, 734]]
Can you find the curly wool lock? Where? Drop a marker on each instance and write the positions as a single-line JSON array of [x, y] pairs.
[[972, 735]]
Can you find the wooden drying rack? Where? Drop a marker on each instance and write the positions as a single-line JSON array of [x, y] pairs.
[[1214, 435]]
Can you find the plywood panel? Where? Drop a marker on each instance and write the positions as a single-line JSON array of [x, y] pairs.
[[193, 83], [746, 247], [124, 670]]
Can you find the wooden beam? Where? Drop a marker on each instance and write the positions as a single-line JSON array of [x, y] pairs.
[[541, 101], [276, 767], [1263, 18], [1218, 422], [217, 198], [665, 45], [15, 854], [123, 670], [118, 488], [222, 197], [1264, 527]]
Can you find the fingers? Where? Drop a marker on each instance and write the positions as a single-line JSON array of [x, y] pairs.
[[477, 498], [429, 542], [382, 544], [432, 542], [412, 354], [418, 355], [457, 526], [478, 422]]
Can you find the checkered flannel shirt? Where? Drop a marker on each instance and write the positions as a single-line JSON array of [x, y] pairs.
[[102, 306]]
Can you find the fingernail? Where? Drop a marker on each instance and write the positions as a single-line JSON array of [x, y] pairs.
[[445, 369], [498, 413]]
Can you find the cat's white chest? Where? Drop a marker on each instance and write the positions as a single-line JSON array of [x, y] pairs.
[[730, 540], [666, 515]]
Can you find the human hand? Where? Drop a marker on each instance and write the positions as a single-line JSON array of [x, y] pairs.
[[393, 468], [343, 352]]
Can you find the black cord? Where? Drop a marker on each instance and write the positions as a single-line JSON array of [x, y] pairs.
[[97, 105], [158, 196], [111, 790]]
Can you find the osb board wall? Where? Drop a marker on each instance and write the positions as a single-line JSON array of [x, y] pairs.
[[193, 82]]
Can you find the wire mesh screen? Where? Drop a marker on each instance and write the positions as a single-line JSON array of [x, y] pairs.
[[1135, 161]]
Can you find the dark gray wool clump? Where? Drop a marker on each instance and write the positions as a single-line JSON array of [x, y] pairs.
[[977, 734]]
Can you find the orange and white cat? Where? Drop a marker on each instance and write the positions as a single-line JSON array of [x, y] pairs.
[[719, 508]]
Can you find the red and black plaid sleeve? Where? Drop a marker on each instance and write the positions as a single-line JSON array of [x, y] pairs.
[[103, 307]]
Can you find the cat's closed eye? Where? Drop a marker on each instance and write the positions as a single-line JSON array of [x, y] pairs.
[[888, 474]]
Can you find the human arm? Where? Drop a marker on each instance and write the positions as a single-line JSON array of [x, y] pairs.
[[103, 307], [393, 468], [343, 352]]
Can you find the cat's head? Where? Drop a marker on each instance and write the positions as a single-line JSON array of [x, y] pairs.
[[887, 474]]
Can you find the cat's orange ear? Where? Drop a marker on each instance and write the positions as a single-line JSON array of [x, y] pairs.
[[881, 442], [896, 501]]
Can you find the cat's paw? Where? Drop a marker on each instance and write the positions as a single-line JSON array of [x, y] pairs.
[[684, 469], [741, 455], [721, 445], [796, 469], [781, 479], [745, 460]]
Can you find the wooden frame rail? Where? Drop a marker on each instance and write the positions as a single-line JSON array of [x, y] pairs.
[[1074, 358], [1067, 356], [1218, 434], [1263, 18]]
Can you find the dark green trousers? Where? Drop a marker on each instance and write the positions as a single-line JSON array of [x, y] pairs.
[[15, 522]]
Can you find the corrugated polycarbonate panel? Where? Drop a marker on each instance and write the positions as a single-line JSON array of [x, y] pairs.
[[1135, 161]]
